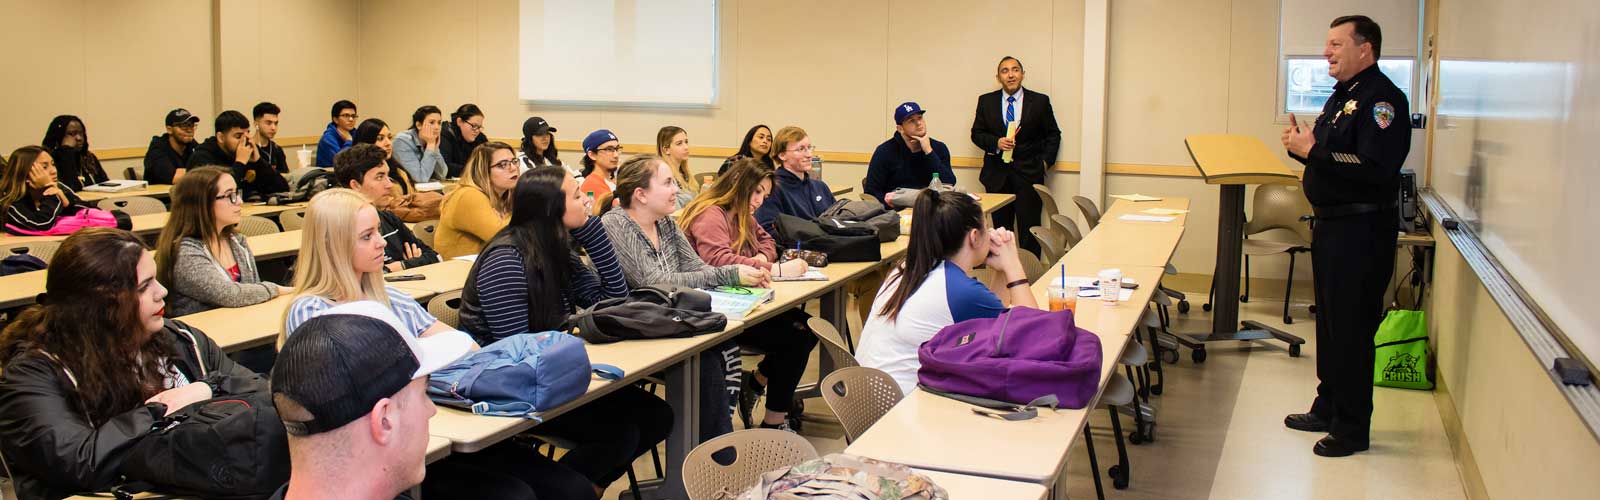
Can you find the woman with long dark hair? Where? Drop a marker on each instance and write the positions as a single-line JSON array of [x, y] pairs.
[[757, 144], [93, 366], [932, 287], [30, 194], [67, 140], [539, 143], [462, 134], [405, 201], [417, 148], [529, 278], [201, 253]]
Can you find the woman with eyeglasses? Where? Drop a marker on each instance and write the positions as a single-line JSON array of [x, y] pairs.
[[404, 201], [481, 204], [672, 145], [757, 144], [797, 192], [601, 154], [31, 196], [461, 137], [201, 254]]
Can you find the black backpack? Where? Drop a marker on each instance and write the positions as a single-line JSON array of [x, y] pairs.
[[229, 447], [793, 232], [860, 217], [304, 184], [20, 262], [657, 311]]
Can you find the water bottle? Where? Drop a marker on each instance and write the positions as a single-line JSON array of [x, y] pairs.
[[705, 184], [935, 185], [816, 166]]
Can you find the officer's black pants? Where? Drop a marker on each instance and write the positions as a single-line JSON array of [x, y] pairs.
[[1352, 262]]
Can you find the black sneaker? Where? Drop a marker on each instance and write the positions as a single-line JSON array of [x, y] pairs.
[[1308, 422], [782, 426], [1335, 447], [750, 391]]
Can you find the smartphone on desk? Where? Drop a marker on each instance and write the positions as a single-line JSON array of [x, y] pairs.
[[404, 277]]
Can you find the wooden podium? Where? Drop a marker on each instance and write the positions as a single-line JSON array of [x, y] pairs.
[[1232, 161]]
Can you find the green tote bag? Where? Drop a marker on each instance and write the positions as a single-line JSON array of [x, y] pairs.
[[1402, 352]]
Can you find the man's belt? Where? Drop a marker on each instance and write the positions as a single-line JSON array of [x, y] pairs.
[[1346, 210]]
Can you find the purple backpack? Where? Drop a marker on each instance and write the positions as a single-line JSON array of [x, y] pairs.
[[1021, 356]]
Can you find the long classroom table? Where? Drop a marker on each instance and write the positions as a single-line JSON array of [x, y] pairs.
[[938, 433], [149, 190]]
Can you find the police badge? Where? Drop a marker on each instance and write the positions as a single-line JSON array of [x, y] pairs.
[[1383, 113]]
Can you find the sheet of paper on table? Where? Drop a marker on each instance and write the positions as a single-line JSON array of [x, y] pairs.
[[430, 186], [1163, 211], [1147, 218], [1135, 197]]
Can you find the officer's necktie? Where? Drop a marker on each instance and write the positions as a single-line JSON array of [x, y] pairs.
[[1011, 109]]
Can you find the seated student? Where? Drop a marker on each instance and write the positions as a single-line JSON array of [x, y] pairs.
[[352, 383], [30, 195], [362, 169], [461, 136], [337, 135], [340, 262], [265, 116], [93, 366], [529, 278], [909, 159], [601, 154], [797, 192], [480, 204], [405, 201], [68, 143], [652, 250], [672, 145], [168, 154], [757, 144], [417, 148], [200, 251], [231, 147], [539, 143], [721, 226], [932, 287]]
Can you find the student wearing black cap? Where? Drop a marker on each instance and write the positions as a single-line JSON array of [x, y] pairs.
[[539, 143], [168, 155], [910, 159], [232, 148]]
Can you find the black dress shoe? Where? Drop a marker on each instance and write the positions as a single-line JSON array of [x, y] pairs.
[[1308, 422], [1334, 447]]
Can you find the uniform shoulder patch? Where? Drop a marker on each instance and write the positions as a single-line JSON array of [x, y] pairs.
[[1383, 113]]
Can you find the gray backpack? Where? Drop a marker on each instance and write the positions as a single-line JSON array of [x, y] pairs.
[[658, 311]]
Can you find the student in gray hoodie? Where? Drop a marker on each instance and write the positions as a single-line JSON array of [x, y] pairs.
[[200, 256]]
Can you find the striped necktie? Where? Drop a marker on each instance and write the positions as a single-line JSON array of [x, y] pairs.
[[1011, 109]]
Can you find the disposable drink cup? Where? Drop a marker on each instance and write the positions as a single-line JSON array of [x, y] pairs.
[[1063, 298]]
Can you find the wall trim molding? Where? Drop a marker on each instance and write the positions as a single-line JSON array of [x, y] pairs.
[[130, 153], [1466, 463]]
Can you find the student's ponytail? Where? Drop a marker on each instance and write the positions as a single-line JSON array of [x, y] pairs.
[[940, 221]]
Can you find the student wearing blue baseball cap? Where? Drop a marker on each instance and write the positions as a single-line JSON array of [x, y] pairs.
[[911, 159], [601, 155]]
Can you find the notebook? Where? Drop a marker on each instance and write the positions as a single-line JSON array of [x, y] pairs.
[[737, 301], [812, 274], [115, 186]]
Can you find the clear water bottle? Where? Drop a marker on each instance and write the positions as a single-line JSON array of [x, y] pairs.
[[816, 166], [935, 185]]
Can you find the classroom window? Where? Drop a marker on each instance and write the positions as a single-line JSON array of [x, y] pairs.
[[1307, 84]]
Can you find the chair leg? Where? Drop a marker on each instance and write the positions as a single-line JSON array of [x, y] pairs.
[[633, 483], [1160, 375], [1288, 291], [655, 457], [1245, 297], [1094, 464], [1119, 472]]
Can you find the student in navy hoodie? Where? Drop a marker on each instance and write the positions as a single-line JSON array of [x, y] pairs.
[[798, 193], [910, 159], [337, 137]]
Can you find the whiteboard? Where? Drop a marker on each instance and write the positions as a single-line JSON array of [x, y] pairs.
[[649, 52], [1514, 146]]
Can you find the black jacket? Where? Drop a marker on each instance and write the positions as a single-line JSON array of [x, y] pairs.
[[41, 216], [267, 180], [455, 149], [76, 167], [1363, 136], [894, 166], [273, 154], [1038, 139], [396, 234], [50, 445], [161, 162]]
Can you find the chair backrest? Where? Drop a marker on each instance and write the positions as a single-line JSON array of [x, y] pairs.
[[446, 307], [1069, 228], [41, 249], [1050, 243], [1279, 206], [255, 225], [292, 220], [755, 452], [134, 205], [1031, 265], [859, 396], [832, 343], [1047, 202], [1091, 213], [130, 174], [425, 230]]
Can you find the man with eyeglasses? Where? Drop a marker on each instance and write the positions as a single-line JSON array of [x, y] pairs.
[[1016, 129], [602, 153], [337, 137], [168, 156], [232, 147]]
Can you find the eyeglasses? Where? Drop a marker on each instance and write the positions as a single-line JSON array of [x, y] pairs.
[[348, 117], [610, 149], [506, 164], [232, 197], [476, 127], [803, 149], [736, 290]]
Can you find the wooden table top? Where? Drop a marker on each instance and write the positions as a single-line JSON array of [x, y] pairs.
[[964, 486], [1112, 245], [150, 190], [1120, 208], [1237, 159]]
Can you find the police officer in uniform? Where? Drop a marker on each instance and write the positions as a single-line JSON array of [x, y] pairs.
[[1352, 178]]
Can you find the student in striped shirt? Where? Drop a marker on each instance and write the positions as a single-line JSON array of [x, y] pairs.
[[341, 261], [529, 278]]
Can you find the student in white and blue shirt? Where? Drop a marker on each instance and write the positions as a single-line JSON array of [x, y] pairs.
[[933, 288]]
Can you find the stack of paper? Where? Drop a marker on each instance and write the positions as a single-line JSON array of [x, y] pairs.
[[1135, 197], [736, 302]]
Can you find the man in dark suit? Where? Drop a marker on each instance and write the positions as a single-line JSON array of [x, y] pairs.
[[1033, 147]]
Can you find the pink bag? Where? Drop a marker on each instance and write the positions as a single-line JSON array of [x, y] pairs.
[[68, 224]]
